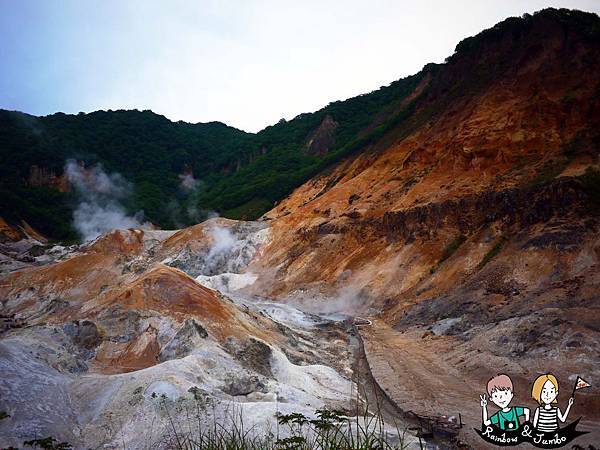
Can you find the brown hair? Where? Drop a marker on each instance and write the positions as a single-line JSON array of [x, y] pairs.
[[538, 384], [501, 382]]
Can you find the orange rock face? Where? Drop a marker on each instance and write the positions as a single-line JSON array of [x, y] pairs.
[[16, 232], [505, 139], [114, 278], [470, 234]]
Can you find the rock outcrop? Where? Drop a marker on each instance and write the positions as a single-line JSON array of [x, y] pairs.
[[42, 176], [322, 139]]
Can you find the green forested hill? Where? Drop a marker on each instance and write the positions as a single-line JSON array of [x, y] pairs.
[[242, 174]]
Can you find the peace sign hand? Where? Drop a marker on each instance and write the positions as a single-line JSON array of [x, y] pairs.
[[483, 400]]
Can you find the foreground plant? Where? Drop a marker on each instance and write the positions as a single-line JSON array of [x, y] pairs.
[[329, 430]]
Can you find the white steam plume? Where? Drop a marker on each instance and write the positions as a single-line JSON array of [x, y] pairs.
[[225, 266], [349, 300], [100, 194], [188, 182], [192, 188], [223, 242]]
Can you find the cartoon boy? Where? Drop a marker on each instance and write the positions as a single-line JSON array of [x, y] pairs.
[[500, 390]]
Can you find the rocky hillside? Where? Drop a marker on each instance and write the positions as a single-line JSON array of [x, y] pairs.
[[471, 229], [102, 343], [516, 150], [462, 220]]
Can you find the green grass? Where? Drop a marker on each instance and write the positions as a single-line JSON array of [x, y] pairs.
[[449, 251], [327, 430], [493, 251], [452, 247], [194, 425]]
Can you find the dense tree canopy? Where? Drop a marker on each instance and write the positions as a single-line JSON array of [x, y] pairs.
[[239, 174]]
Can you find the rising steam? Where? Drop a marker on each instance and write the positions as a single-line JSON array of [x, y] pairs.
[[100, 195], [225, 266], [188, 182], [223, 242]]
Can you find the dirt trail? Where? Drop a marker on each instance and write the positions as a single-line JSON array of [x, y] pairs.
[[377, 399], [418, 373], [417, 380]]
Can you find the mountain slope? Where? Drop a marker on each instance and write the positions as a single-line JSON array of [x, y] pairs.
[[242, 174], [239, 174], [147, 149], [457, 156], [470, 230]]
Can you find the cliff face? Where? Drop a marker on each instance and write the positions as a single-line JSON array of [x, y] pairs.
[[42, 176], [323, 138], [503, 156]]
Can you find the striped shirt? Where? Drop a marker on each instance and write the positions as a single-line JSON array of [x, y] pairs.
[[548, 419]]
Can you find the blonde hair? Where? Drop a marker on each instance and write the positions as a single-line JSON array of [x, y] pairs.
[[538, 384]]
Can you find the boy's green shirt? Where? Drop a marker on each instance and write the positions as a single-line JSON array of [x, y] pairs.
[[502, 419]]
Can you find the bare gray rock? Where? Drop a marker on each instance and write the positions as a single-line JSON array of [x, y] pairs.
[[189, 337]]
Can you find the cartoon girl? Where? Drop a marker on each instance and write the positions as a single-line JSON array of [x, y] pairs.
[[545, 391]]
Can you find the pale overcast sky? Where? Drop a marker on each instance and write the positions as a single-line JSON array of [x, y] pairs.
[[246, 63]]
